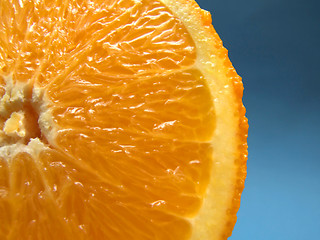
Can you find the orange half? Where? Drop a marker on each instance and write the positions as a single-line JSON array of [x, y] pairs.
[[119, 119]]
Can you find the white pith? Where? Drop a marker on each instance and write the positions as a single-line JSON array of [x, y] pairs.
[[14, 130]]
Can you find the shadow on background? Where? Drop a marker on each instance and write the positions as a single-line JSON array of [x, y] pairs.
[[274, 46]]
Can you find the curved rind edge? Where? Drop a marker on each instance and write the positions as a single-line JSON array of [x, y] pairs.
[[191, 9]]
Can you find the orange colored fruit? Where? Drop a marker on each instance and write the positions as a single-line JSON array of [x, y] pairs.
[[119, 119]]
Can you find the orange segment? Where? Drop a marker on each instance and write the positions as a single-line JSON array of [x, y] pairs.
[[102, 37], [119, 119], [184, 97]]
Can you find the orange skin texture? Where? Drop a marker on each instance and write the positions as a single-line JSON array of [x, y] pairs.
[[242, 134]]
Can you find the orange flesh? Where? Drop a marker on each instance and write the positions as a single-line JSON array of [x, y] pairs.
[[134, 120]]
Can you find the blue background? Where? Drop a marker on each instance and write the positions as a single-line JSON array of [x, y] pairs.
[[274, 46]]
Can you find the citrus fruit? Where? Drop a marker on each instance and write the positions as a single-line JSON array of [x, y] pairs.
[[120, 119]]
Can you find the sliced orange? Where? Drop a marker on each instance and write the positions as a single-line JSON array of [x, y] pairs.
[[119, 119]]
